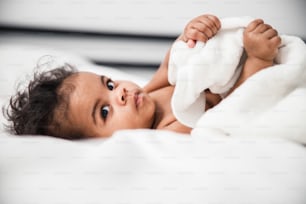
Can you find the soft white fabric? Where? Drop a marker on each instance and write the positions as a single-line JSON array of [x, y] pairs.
[[141, 166], [149, 166], [271, 103]]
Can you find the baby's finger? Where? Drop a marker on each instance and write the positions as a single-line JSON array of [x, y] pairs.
[[210, 25], [276, 40], [194, 34], [253, 25], [191, 43], [201, 27], [270, 33], [262, 28], [215, 20]]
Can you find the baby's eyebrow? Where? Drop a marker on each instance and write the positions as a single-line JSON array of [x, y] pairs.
[[94, 110], [103, 79]]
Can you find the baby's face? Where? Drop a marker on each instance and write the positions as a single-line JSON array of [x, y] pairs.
[[99, 106]]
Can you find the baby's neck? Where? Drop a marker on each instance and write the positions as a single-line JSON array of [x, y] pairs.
[[163, 113], [158, 116]]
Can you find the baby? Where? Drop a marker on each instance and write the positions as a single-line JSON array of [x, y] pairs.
[[69, 104]]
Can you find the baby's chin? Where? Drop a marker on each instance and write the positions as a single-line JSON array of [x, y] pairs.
[[149, 110]]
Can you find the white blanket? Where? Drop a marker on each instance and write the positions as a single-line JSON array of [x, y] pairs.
[[271, 103], [140, 166]]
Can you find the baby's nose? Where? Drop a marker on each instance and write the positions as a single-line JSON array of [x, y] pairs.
[[122, 96]]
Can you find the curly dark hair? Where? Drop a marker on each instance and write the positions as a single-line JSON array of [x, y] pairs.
[[40, 109]]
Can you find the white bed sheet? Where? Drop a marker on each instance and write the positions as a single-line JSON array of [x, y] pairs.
[[141, 166]]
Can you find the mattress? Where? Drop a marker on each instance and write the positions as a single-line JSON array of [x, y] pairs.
[[139, 166]]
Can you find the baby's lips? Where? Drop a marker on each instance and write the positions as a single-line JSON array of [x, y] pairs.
[[138, 98], [134, 95]]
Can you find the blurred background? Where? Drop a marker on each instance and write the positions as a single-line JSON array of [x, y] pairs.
[[131, 34]]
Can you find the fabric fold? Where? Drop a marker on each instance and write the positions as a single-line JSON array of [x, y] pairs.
[[270, 103]]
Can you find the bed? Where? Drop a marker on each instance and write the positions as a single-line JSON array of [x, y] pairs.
[[139, 166]]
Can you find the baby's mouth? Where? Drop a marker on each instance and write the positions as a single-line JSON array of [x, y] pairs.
[[138, 98]]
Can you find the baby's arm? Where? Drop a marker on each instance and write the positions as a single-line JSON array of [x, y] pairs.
[[261, 44], [201, 28]]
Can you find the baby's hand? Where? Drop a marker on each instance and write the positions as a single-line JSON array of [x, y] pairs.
[[201, 28], [261, 41]]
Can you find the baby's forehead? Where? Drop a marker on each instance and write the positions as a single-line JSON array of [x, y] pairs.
[[84, 77], [87, 73], [81, 76]]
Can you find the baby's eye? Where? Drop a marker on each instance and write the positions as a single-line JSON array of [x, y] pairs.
[[110, 84], [104, 111]]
